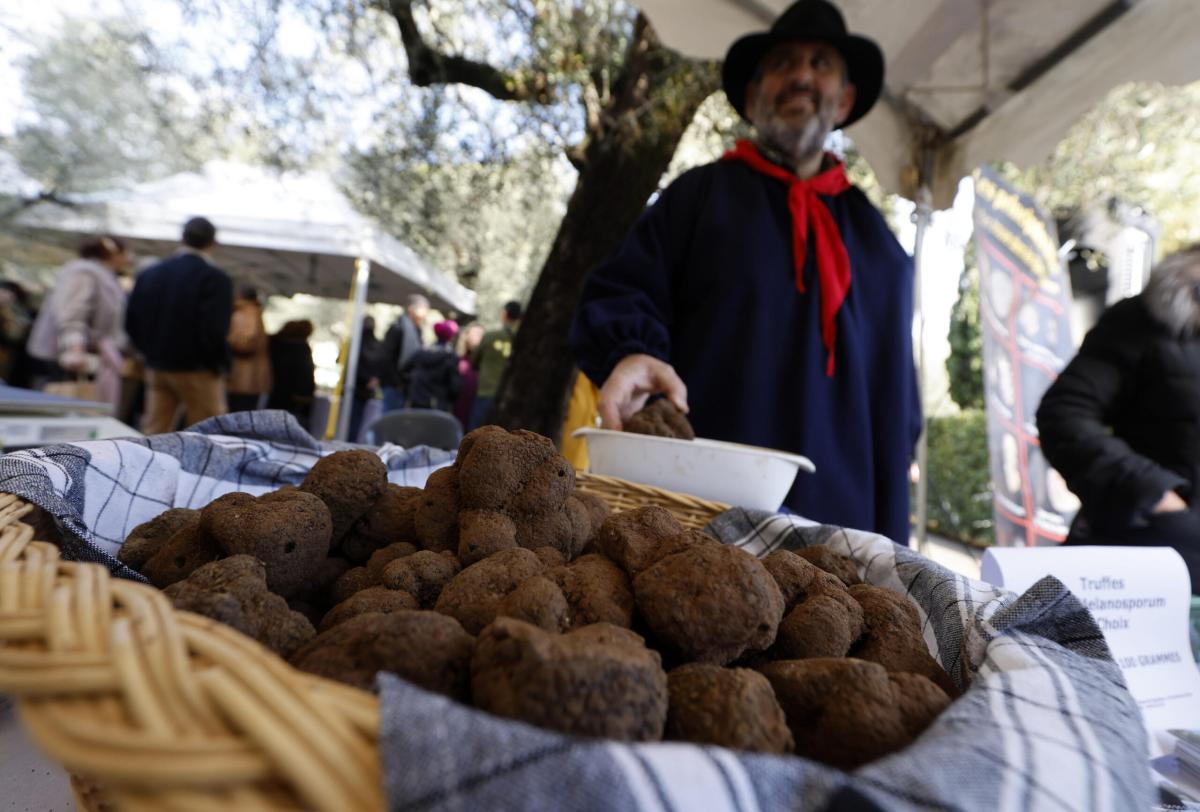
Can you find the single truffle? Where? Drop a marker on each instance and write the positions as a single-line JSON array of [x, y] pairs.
[[371, 599], [596, 681], [792, 574], [661, 418], [423, 575], [585, 523], [314, 597], [918, 700], [483, 532], [183, 553], [389, 520], [892, 636], [288, 531], [636, 539], [539, 601], [435, 514], [522, 477], [473, 596], [145, 539], [234, 592], [821, 626], [560, 529], [550, 556], [821, 618], [427, 649], [598, 510], [328, 571], [348, 482], [379, 559], [597, 591], [350, 582], [727, 707], [834, 563], [709, 604], [512, 471], [847, 712]]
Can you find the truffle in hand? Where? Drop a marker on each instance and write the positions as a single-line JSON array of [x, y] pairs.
[[661, 419]]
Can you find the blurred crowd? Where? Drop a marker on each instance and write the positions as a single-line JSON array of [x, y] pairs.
[[177, 343]]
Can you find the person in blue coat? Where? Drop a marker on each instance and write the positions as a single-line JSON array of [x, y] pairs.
[[765, 295]]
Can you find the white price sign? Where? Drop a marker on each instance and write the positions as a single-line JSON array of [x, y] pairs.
[[1140, 597]]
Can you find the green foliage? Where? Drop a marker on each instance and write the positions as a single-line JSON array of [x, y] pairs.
[[960, 490], [102, 110], [486, 222], [1138, 144], [964, 366]]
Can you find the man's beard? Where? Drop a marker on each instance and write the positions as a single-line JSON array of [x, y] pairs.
[[795, 143]]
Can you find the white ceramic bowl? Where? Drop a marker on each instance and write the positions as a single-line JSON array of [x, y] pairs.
[[732, 473]]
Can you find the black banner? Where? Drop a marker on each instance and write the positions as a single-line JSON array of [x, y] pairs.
[[1024, 313]]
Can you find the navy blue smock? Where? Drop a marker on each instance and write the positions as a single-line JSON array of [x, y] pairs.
[[706, 281]]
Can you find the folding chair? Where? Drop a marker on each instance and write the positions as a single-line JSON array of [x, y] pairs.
[[412, 427]]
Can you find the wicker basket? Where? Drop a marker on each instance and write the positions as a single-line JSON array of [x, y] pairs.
[[155, 709], [621, 494]]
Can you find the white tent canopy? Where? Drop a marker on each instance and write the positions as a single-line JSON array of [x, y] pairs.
[[970, 81], [282, 233]]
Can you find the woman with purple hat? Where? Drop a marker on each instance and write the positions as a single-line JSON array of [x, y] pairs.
[[765, 295]]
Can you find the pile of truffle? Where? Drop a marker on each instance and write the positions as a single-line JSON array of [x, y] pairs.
[[500, 585]]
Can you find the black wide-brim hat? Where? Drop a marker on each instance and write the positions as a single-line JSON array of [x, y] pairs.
[[815, 20]]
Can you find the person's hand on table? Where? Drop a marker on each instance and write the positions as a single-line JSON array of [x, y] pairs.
[[1171, 502], [632, 382]]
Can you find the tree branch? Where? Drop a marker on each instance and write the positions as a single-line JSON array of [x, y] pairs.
[[428, 66], [23, 203]]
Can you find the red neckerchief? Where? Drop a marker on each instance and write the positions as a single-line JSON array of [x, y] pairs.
[[833, 263]]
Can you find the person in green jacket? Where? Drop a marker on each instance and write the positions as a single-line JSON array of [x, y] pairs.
[[490, 358]]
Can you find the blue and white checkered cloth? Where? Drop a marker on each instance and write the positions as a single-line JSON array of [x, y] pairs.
[[99, 490]]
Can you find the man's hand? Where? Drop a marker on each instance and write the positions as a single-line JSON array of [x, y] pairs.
[[632, 382], [1171, 502]]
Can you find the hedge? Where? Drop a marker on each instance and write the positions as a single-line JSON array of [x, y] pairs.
[[960, 488]]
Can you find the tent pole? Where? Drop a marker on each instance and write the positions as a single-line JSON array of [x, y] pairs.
[[922, 216], [362, 275]]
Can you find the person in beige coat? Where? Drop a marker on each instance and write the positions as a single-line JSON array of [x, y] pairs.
[[79, 332], [250, 372]]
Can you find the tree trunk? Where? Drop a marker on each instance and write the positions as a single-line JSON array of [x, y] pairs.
[[655, 99]]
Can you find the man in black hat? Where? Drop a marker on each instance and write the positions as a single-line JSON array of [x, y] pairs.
[[765, 295]]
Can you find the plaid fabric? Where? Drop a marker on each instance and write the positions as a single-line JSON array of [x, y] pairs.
[[1045, 721], [98, 491]]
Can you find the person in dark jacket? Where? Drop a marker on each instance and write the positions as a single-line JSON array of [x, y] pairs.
[[293, 379], [400, 344], [1122, 421], [367, 375], [178, 319], [433, 378], [765, 295]]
